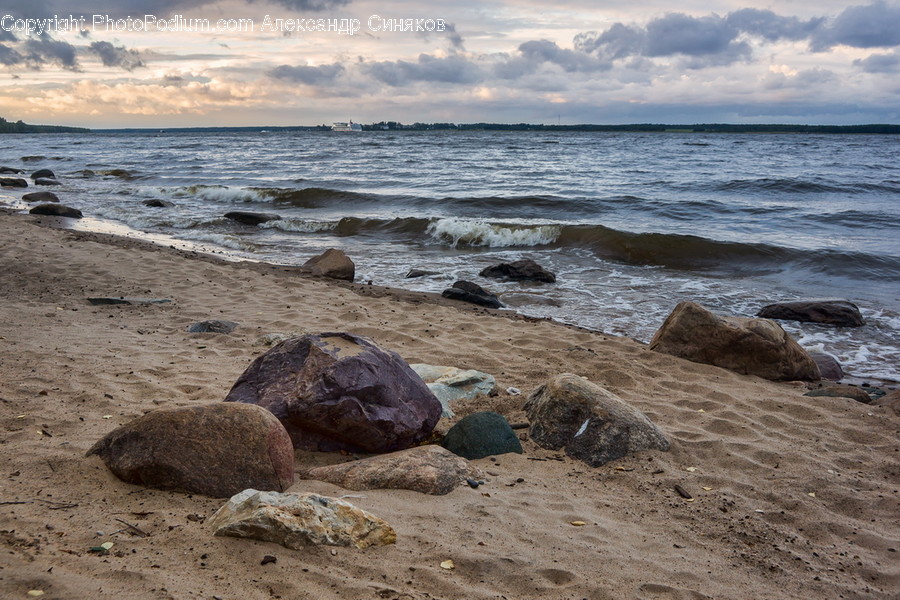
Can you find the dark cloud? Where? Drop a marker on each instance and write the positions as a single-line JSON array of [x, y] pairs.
[[320, 75], [876, 63], [452, 69], [766, 24], [456, 40], [875, 25], [7, 36], [9, 56], [571, 61], [45, 49], [116, 56]]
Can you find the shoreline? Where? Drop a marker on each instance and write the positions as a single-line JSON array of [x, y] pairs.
[[792, 495]]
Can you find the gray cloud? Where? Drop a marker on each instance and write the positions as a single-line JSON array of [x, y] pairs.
[[766, 24], [48, 50], [305, 74], [116, 56], [9, 56], [123, 8], [877, 63], [875, 25], [452, 69], [571, 61], [7, 36]]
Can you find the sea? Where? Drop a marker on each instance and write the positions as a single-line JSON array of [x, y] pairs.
[[631, 223]]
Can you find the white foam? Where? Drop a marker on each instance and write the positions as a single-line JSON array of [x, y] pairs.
[[482, 233], [299, 225], [225, 241]]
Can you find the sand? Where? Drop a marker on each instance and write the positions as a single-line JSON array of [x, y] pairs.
[[794, 497]]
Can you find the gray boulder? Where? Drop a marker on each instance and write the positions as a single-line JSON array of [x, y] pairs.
[[519, 270], [299, 520], [251, 218], [332, 263], [481, 434], [829, 367], [841, 313], [427, 469], [589, 422], [466, 291], [12, 170], [157, 203], [43, 174], [13, 182], [56, 210], [751, 346], [40, 197], [338, 391], [216, 450], [46, 181]]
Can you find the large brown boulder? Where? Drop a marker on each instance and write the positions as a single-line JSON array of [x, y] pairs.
[[427, 469], [589, 422], [841, 313], [751, 346], [338, 391], [217, 450], [332, 263]]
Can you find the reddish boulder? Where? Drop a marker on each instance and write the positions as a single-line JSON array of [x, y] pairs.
[[338, 391], [217, 450], [332, 263], [751, 346]]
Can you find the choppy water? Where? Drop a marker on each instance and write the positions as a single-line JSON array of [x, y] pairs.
[[631, 223]]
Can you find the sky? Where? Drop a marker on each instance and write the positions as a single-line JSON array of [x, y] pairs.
[[282, 63]]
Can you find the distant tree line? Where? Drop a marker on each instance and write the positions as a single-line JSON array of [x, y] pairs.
[[647, 127], [20, 127]]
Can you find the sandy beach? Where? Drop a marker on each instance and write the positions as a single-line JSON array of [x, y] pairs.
[[793, 496]]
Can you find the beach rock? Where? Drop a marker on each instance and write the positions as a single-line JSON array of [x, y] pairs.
[[40, 197], [56, 210], [841, 391], [251, 218], [107, 300], [299, 520], [518, 299], [212, 326], [466, 291], [752, 346], [426, 469], [332, 263], [589, 422], [890, 401], [829, 367], [46, 181], [481, 434], [520, 270], [155, 203], [420, 273], [339, 391], [12, 170], [216, 450], [449, 384], [13, 182], [42, 173], [841, 313]]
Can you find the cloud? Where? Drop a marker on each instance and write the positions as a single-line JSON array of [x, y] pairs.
[[48, 50], [875, 25], [123, 8], [116, 56], [451, 69], [7, 36], [877, 63], [320, 75], [766, 24], [9, 56], [570, 61]]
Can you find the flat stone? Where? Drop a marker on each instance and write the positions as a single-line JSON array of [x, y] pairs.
[[466, 291], [216, 450], [40, 197], [427, 469], [98, 301], [251, 218], [212, 326], [519, 270], [589, 422], [56, 210], [46, 181], [829, 311], [481, 434], [12, 170], [841, 391], [42, 174], [450, 384], [751, 346], [13, 182], [413, 273], [297, 521]]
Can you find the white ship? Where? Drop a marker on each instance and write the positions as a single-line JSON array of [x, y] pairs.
[[346, 126]]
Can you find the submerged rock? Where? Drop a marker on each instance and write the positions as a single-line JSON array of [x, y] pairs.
[[339, 391], [520, 270], [13, 182], [589, 422], [12, 170], [42, 173], [156, 203], [413, 273], [40, 197], [426, 469], [841, 313], [332, 263], [46, 181], [481, 434], [216, 450], [56, 210], [752, 346], [251, 218], [299, 520], [466, 291]]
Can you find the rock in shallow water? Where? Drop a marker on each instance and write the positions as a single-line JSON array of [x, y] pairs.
[[13, 182], [751, 346], [841, 313], [216, 450], [426, 469], [332, 263], [466, 291], [40, 197], [520, 270], [339, 391], [251, 218], [56, 210], [299, 520], [589, 422]]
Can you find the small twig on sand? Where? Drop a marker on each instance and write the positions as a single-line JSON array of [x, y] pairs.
[[133, 528], [3, 503]]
